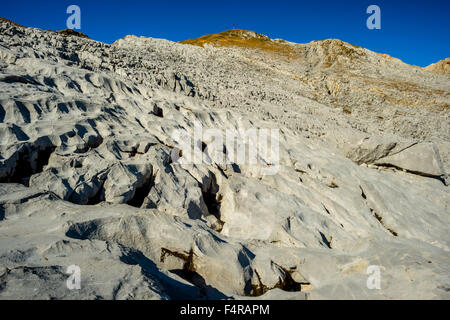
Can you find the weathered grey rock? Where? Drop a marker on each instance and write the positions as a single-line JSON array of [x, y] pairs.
[[87, 177], [370, 149]]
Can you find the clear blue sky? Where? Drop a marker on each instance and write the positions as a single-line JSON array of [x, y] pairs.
[[418, 32]]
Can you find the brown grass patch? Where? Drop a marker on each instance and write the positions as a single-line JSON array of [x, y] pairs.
[[70, 32], [244, 39]]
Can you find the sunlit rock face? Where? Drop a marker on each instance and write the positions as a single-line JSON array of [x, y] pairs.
[[355, 205]]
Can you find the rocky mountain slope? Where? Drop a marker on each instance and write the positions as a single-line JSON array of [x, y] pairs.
[[440, 67], [87, 175]]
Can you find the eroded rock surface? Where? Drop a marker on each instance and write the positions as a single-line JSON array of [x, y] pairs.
[[88, 179]]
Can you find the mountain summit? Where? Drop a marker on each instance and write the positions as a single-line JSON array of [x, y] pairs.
[[243, 39]]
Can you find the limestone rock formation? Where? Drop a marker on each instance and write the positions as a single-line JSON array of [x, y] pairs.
[[88, 176]]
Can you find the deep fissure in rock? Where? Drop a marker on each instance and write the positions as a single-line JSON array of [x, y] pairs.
[[142, 192], [362, 193], [259, 289], [326, 209], [286, 284], [30, 160], [380, 219], [422, 174], [325, 240], [99, 196], [189, 273], [213, 201], [157, 111]]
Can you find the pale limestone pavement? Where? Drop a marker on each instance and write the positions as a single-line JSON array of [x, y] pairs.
[[87, 177]]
